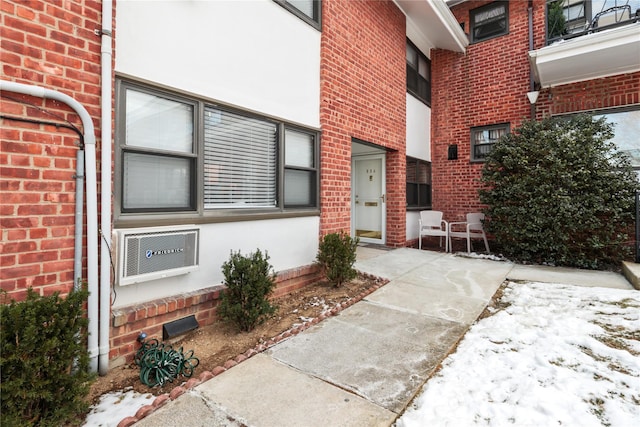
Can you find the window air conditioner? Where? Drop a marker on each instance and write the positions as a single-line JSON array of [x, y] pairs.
[[146, 254]]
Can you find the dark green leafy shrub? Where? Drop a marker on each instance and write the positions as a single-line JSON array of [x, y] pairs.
[[559, 192], [249, 280], [44, 363], [336, 256]]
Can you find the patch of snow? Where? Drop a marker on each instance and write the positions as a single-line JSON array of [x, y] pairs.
[[557, 355], [115, 406]]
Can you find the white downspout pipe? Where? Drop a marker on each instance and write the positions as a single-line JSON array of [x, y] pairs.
[[105, 195], [92, 204]]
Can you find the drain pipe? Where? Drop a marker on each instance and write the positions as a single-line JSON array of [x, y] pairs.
[[105, 195], [77, 258], [532, 83], [92, 203]]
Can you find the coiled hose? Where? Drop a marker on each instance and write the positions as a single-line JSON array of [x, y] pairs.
[[160, 363]]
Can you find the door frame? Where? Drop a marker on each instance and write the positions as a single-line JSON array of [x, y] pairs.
[[383, 188]]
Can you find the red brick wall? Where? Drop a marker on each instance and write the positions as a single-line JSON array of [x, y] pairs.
[[484, 86], [52, 45], [362, 90], [488, 85]]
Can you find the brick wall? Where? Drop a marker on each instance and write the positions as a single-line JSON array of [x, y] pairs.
[[362, 89], [484, 86], [52, 45], [488, 85]]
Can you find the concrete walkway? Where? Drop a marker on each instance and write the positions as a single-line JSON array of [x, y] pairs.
[[363, 366]]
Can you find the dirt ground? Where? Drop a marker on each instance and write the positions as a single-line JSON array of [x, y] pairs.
[[215, 344]]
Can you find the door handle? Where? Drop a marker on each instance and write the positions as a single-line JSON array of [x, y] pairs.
[[382, 197]]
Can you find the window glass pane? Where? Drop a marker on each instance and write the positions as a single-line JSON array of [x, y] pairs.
[[495, 12], [626, 126], [423, 68], [412, 194], [239, 161], [304, 6], [424, 173], [425, 195], [298, 149], [412, 55], [151, 181], [411, 171], [158, 123], [299, 188]]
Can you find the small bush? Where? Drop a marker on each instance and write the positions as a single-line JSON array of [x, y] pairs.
[[336, 256], [44, 363], [559, 192], [249, 280]]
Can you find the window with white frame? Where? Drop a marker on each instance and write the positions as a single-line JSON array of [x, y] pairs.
[[418, 184], [489, 21], [483, 138], [418, 74], [185, 155], [307, 10]]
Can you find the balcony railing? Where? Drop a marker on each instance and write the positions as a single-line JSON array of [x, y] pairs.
[[568, 19]]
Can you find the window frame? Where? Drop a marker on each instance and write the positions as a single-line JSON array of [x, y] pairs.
[[429, 203], [315, 20], [473, 157], [481, 9], [412, 70], [196, 212]]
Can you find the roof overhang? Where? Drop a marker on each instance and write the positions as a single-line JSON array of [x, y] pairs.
[[592, 56], [435, 22]]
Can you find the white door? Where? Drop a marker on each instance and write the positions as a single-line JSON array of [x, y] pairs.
[[368, 198]]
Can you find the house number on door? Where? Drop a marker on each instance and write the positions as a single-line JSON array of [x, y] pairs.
[[371, 171]]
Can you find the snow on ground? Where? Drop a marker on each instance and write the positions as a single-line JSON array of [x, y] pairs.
[[115, 406], [556, 355]]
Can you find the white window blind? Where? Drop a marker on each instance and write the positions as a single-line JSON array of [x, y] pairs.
[[240, 161]]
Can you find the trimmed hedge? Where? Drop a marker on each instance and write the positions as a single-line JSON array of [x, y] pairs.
[[336, 256], [559, 192]]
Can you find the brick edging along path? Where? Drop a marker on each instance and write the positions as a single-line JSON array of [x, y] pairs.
[[161, 400]]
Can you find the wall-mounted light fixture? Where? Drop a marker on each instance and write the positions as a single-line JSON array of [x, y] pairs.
[[533, 96]]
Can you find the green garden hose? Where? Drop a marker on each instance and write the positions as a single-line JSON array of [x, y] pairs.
[[160, 363]]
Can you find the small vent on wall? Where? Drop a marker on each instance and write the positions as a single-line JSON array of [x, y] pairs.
[[155, 253]]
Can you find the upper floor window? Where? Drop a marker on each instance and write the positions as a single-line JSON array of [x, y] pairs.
[[418, 74], [418, 184], [307, 10], [483, 138], [183, 155], [489, 21]]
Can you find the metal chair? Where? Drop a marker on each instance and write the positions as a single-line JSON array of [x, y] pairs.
[[471, 229], [432, 224]]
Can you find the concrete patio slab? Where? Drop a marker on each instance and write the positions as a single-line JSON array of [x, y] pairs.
[[263, 392], [474, 278], [396, 263], [425, 301], [569, 276], [384, 364]]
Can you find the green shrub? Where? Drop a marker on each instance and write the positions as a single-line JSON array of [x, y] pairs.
[[559, 192], [44, 363], [336, 256], [249, 280]]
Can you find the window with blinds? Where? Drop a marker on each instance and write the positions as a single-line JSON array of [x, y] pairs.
[[240, 161], [483, 138], [418, 184], [307, 10], [489, 21], [178, 154], [418, 74]]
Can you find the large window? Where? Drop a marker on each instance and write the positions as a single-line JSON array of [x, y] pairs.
[[626, 128], [307, 10], [418, 74], [489, 21], [483, 138], [418, 184], [184, 155]]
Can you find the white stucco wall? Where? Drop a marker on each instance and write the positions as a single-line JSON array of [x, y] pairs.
[[418, 146], [254, 55]]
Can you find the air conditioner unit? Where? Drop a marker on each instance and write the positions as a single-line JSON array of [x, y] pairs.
[[146, 254]]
